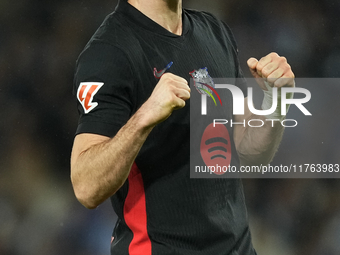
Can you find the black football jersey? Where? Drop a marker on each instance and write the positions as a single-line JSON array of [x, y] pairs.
[[160, 209]]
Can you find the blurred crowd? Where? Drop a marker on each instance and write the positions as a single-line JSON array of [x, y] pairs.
[[39, 44]]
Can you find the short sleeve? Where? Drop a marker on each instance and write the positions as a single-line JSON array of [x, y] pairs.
[[103, 86]]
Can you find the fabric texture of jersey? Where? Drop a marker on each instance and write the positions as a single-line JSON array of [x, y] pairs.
[[160, 210]]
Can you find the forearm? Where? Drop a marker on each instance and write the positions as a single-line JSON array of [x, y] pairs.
[[99, 171], [259, 144]]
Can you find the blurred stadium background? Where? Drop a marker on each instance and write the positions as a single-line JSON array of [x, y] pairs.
[[39, 44]]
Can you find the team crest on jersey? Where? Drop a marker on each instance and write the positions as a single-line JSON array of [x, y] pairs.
[[85, 94], [204, 83]]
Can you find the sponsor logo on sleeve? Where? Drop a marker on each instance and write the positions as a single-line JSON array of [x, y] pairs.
[[85, 94]]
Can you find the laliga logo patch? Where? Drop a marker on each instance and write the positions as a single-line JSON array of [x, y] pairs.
[[204, 83], [216, 147], [85, 94]]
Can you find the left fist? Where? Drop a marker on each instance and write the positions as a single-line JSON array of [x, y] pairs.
[[273, 69]]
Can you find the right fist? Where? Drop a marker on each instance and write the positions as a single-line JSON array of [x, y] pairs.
[[169, 94]]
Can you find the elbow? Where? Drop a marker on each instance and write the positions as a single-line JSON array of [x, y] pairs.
[[86, 199], [255, 159], [87, 202], [254, 162], [90, 195], [88, 205], [85, 195]]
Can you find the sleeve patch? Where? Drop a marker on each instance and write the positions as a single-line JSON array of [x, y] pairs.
[[86, 92]]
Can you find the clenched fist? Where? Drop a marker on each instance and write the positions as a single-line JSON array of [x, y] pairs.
[[273, 69], [170, 94]]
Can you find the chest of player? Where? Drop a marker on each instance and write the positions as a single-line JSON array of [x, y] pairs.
[[182, 56], [207, 57]]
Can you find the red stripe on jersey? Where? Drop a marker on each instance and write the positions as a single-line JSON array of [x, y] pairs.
[[135, 214]]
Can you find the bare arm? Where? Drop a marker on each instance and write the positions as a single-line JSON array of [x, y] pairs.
[[258, 145], [100, 165]]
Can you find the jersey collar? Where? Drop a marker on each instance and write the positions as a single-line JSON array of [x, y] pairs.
[[137, 17]]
